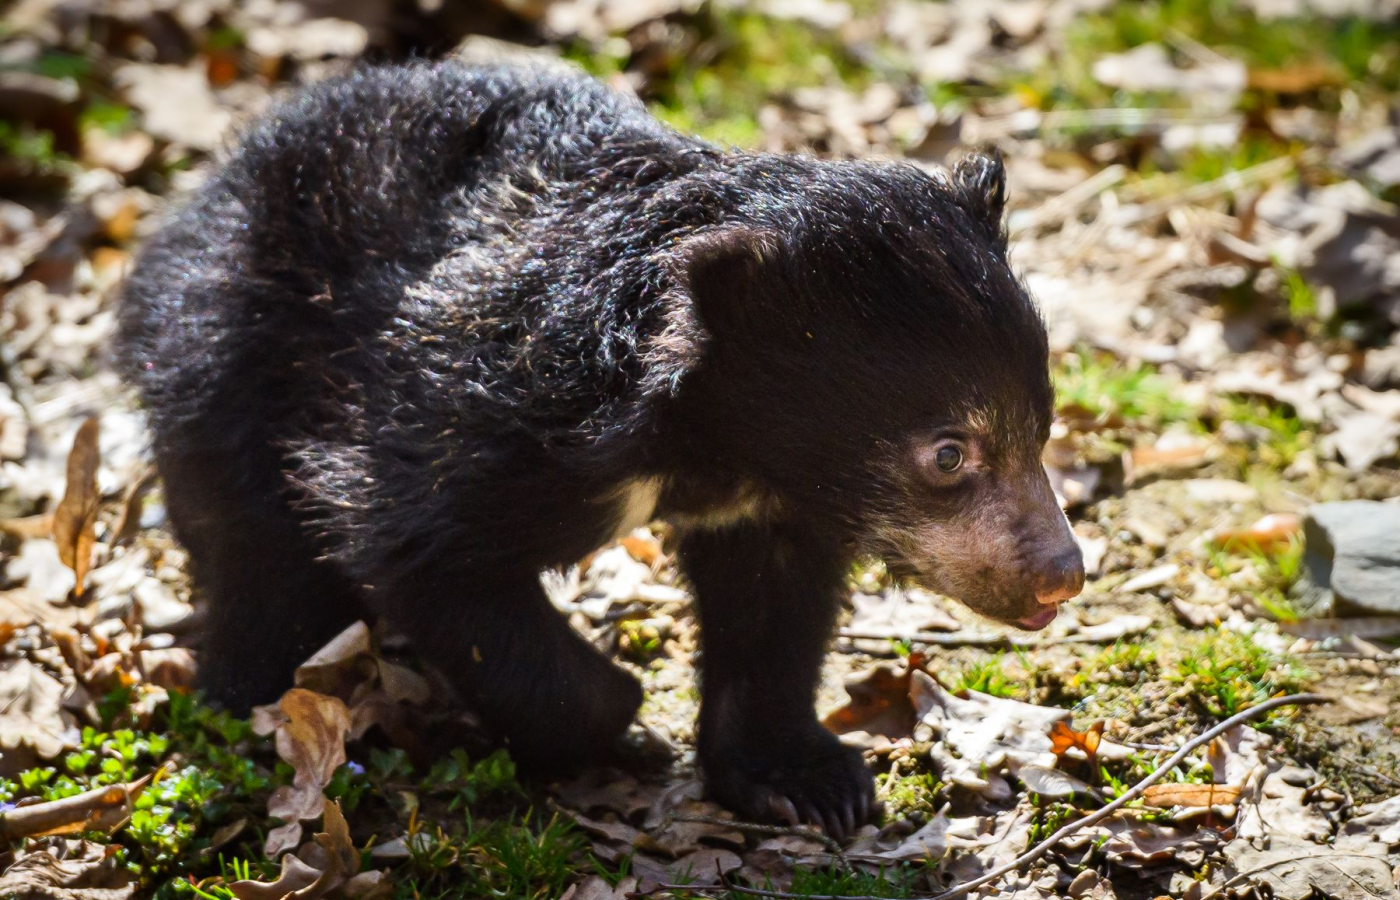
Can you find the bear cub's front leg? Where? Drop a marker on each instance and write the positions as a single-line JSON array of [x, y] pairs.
[[767, 595]]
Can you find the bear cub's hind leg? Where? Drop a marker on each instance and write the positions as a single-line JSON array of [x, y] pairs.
[[269, 603], [767, 595]]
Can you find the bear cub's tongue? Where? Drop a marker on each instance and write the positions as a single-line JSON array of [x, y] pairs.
[[1039, 620]]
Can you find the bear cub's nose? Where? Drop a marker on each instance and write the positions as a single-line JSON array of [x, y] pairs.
[[1061, 578]]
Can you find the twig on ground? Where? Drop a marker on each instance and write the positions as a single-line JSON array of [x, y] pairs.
[[1133, 793], [830, 843], [729, 887], [1044, 846], [971, 638]]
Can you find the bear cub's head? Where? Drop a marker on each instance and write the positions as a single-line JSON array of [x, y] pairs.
[[865, 353]]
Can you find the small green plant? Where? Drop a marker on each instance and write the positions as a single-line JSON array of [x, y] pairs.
[[1122, 663], [217, 779], [1302, 300], [1277, 436], [1109, 389], [517, 857], [1277, 572], [466, 782], [1228, 672], [638, 639], [986, 676], [113, 118], [894, 884], [1050, 818], [29, 145]]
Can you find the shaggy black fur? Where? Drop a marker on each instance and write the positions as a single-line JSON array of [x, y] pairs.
[[430, 330]]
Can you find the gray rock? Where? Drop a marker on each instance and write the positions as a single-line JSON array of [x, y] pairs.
[[1353, 549]]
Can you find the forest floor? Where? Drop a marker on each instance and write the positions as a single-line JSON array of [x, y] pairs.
[[1203, 200]]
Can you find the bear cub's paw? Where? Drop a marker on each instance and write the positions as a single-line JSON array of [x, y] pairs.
[[809, 777]]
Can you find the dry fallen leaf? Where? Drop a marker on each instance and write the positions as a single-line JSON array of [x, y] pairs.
[[1063, 739], [978, 736], [327, 864], [878, 701], [75, 517], [31, 710], [83, 870], [1051, 783], [310, 735], [1269, 534], [103, 809], [1291, 868], [28, 527], [1166, 796], [1171, 454]]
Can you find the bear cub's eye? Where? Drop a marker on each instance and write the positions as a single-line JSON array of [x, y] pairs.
[[948, 458]]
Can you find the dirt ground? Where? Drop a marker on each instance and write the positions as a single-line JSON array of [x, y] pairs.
[[1203, 200]]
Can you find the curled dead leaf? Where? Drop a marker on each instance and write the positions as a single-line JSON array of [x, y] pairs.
[[327, 864], [643, 548], [85, 870], [310, 735], [103, 809], [1063, 739], [75, 517], [878, 701]]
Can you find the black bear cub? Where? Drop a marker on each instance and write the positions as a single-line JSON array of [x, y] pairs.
[[432, 329]]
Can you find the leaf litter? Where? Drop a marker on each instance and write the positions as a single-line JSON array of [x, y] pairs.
[[1227, 353]]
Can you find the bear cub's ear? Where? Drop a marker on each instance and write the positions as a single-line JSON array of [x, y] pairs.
[[721, 269], [981, 179]]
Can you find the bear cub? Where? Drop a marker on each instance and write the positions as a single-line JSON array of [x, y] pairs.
[[429, 329]]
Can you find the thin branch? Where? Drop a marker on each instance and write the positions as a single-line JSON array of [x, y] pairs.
[[1066, 204], [1046, 845], [971, 639], [1135, 792], [732, 888]]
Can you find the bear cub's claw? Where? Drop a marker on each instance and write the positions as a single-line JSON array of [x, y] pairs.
[[814, 780]]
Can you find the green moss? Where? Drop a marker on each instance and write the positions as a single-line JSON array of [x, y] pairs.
[[905, 795]]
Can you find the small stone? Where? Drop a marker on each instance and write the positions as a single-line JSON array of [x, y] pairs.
[[161, 610], [1353, 549], [1082, 884], [1382, 368]]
